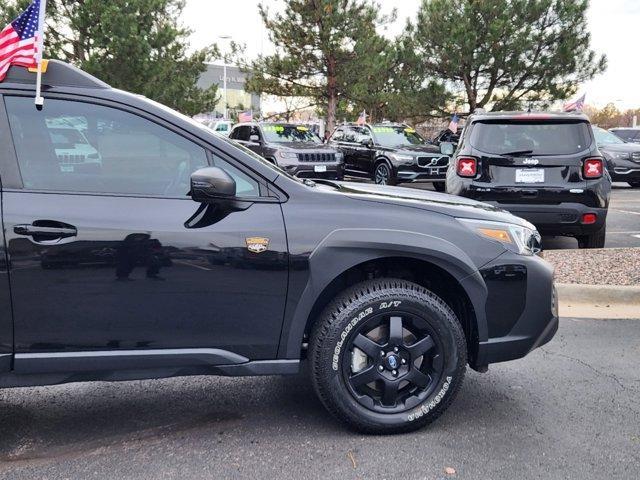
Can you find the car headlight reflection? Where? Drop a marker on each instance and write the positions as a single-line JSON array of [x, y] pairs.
[[524, 240]]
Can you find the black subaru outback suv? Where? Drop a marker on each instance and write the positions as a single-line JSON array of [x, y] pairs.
[[544, 167], [390, 154], [294, 148], [197, 256]]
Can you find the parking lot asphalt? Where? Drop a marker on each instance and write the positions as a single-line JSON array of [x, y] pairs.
[[570, 410], [623, 220]]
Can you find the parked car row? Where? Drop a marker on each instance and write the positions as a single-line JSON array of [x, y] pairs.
[[386, 153]]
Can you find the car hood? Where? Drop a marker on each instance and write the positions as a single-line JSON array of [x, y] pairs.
[[620, 147], [413, 149], [444, 203]]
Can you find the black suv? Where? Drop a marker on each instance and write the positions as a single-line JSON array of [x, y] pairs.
[[184, 253], [391, 153], [623, 158], [293, 148], [544, 167]]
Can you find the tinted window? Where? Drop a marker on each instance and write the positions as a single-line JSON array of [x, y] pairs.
[[106, 151], [396, 136], [222, 127], [288, 133], [356, 134], [531, 138], [338, 135], [627, 135], [241, 133]]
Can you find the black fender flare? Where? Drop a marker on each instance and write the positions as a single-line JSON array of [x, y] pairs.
[[344, 249]]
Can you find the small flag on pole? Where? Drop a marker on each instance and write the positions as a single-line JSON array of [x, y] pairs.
[[577, 104], [21, 42], [245, 116], [362, 119], [453, 124]]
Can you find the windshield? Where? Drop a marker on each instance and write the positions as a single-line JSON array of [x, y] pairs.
[[560, 138], [605, 138], [396, 136], [289, 134]]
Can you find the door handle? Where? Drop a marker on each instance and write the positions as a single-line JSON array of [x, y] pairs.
[[45, 233]]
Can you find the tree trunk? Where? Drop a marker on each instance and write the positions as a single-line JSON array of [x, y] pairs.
[[332, 94]]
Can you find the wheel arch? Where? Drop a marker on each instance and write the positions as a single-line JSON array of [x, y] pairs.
[[345, 258]]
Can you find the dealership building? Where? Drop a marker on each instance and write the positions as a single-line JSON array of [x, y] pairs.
[[237, 97]]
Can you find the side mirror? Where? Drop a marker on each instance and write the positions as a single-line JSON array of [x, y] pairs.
[[212, 183], [446, 148], [254, 138], [366, 142]]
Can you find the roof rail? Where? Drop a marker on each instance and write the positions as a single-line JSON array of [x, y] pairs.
[[58, 74]]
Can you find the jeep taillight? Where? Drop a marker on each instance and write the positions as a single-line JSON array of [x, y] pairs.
[[467, 166], [592, 168]]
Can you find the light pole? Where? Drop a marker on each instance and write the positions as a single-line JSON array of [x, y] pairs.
[[224, 78]]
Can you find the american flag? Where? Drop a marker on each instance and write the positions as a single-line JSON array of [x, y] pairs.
[[21, 40], [362, 119], [577, 104], [453, 124], [245, 116]]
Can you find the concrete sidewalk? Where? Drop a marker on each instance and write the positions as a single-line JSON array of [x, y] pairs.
[[599, 301]]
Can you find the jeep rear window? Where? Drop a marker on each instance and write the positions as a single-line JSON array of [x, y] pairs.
[[533, 138]]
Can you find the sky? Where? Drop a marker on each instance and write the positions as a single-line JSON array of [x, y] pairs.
[[613, 25]]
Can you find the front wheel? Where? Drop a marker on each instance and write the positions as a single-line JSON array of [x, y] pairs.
[[387, 356], [383, 174], [595, 240]]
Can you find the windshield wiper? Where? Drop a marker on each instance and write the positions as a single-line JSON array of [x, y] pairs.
[[517, 152]]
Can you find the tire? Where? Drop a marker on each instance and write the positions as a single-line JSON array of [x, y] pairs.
[[383, 174], [595, 240], [432, 344], [634, 184], [440, 186]]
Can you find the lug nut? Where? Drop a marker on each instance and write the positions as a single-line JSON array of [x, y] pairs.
[[395, 349], [382, 354], [395, 372], [381, 368], [403, 361]]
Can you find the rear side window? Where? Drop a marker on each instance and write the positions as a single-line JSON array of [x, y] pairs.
[[531, 138], [627, 135]]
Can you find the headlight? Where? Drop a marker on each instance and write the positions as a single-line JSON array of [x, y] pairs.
[[403, 158], [524, 240], [287, 155]]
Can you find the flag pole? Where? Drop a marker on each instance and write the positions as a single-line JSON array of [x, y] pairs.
[[39, 101]]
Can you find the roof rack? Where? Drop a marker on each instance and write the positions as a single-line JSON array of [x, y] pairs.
[[58, 73]]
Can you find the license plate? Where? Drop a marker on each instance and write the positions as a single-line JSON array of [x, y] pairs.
[[529, 175], [434, 171], [320, 168], [66, 168]]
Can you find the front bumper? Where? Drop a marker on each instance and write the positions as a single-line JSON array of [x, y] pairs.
[[408, 173], [332, 171], [624, 173], [557, 219], [521, 309]]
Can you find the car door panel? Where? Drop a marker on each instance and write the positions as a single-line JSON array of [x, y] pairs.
[[134, 277], [134, 271]]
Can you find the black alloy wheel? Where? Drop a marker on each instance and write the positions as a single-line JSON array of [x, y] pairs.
[[387, 356], [395, 362], [383, 174]]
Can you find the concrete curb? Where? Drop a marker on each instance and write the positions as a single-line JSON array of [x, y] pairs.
[[598, 301]]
